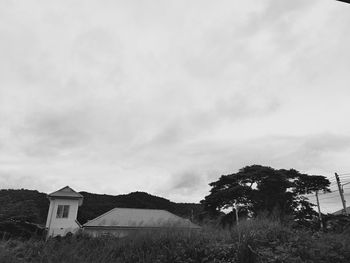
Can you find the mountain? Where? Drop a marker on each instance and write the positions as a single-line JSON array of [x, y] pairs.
[[32, 206]]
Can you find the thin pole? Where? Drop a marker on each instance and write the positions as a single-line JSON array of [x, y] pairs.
[[341, 193], [236, 212], [319, 211]]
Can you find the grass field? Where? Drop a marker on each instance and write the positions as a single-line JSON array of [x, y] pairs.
[[253, 241]]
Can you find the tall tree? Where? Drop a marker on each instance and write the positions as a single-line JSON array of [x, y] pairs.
[[264, 189]]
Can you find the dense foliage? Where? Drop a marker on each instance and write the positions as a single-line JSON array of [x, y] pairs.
[[259, 189], [258, 240], [20, 229], [25, 205]]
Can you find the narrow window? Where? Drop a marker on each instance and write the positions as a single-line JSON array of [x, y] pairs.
[[65, 211], [59, 211], [62, 211]]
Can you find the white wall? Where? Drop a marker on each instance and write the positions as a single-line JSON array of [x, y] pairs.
[[61, 226]]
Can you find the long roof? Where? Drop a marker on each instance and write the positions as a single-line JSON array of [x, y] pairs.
[[66, 192], [139, 218]]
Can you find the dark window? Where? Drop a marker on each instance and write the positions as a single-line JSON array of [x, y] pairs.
[[62, 211]]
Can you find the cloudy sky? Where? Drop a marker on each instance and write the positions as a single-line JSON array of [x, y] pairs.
[[166, 96]]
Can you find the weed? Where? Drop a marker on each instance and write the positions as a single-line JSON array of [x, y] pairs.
[[260, 240]]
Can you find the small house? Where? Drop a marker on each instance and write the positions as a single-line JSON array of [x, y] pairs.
[[62, 218], [63, 210], [124, 221]]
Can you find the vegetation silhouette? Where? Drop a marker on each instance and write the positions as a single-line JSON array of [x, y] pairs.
[[260, 189]]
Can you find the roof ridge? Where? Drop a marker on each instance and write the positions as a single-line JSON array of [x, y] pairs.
[[62, 190], [110, 211], [116, 211], [141, 208], [106, 213]]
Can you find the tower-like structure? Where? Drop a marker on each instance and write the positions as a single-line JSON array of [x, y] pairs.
[[63, 210]]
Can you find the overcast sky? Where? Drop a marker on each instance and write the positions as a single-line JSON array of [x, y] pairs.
[[166, 96]]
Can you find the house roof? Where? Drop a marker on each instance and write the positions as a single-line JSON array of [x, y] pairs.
[[139, 218], [340, 212], [66, 192]]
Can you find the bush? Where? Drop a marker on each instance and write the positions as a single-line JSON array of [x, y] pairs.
[[260, 240], [20, 230]]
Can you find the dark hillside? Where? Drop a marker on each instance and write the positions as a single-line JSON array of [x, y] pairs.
[[32, 206], [22, 204], [96, 204]]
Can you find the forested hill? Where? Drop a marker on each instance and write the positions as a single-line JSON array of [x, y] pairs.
[[31, 205]]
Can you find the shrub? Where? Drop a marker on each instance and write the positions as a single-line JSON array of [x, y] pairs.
[[259, 240]]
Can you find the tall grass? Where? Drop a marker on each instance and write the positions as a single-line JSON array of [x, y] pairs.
[[260, 240]]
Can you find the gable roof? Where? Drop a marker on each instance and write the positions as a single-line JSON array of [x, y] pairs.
[[139, 218], [66, 192]]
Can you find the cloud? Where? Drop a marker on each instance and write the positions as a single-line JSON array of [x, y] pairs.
[[233, 109], [51, 133], [186, 181], [205, 162], [184, 184], [165, 98]]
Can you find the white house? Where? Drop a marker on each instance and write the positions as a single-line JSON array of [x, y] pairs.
[[63, 210], [62, 218], [124, 221]]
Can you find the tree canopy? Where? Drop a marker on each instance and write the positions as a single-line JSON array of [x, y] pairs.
[[261, 189]]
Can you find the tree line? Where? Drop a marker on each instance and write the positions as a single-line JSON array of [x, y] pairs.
[[252, 191], [255, 190]]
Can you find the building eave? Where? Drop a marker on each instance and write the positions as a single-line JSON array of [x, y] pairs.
[[138, 227]]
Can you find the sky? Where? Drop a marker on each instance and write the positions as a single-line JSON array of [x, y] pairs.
[[166, 96]]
